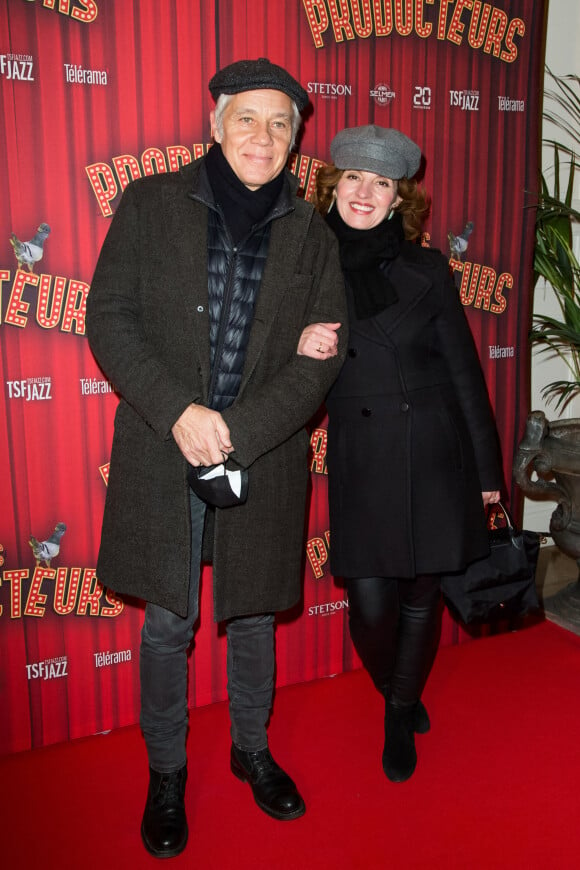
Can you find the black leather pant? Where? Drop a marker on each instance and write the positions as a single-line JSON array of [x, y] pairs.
[[394, 625]]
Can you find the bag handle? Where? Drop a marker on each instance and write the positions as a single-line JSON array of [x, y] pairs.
[[509, 522], [510, 526]]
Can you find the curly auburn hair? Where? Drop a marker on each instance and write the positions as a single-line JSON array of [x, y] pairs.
[[414, 206]]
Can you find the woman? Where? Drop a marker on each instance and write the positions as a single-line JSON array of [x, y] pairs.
[[412, 447]]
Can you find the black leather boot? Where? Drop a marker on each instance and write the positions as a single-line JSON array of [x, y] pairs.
[[273, 790], [399, 754], [421, 721], [164, 826]]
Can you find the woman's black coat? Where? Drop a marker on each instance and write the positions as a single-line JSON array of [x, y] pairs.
[[411, 439]]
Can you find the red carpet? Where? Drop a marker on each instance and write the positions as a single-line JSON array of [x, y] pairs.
[[497, 784]]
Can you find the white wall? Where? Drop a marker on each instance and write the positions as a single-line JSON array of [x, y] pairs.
[[562, 57]]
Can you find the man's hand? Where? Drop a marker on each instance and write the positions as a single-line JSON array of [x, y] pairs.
[[490, 497], [202, 435], [319, 341]]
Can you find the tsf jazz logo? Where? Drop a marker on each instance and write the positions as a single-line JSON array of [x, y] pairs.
[[17, 67]]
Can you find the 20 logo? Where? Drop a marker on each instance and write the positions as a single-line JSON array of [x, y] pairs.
[[422, 97]]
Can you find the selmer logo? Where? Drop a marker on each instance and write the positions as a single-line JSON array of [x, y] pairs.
[[382, 95]]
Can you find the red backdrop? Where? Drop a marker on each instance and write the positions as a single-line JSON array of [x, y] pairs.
[[94, 93]]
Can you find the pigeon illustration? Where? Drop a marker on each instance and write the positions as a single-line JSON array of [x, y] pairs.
[[29, 253], [44, 551], [458, 244]]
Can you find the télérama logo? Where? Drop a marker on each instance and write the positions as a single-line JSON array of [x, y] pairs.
[[506, 104], [74, 73]]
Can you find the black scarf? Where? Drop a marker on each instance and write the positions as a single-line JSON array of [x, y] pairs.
[[242, 208], [363, 256]]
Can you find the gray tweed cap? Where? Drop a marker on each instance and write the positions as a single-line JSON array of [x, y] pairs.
[[256, 75], [383, 150]]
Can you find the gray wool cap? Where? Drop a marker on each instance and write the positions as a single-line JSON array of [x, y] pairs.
[[257, 75], [383, 150]]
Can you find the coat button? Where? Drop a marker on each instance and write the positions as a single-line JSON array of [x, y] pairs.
[[352, 351], [366, 412], [200, 308], [404, 407]]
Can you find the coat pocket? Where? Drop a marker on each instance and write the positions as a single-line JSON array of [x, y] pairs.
[[447, 438]]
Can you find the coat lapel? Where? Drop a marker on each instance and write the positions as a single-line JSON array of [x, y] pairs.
[[185, 223], [287, 238], [412, 285]]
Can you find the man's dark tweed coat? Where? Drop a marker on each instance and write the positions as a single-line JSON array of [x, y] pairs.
[[147, 322], [411, 438]]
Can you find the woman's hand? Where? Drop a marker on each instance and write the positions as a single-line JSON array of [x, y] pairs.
[[319, 341], [490, 497]]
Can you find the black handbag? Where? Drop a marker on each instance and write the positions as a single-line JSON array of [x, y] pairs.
[[502, 585]]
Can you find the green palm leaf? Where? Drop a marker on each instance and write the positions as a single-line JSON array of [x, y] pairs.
[[554, 258]]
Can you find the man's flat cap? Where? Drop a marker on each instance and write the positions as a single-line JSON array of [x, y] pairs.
[[383, 150], [257, 75]]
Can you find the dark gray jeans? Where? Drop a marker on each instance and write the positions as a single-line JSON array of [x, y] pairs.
[[165, 640]]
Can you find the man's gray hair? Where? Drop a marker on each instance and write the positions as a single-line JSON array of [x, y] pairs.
[[224, 100]]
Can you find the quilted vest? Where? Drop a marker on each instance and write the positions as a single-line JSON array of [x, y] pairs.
[[234, 276]]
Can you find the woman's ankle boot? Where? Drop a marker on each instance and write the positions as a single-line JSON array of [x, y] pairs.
[[421, 721], [399, 754]]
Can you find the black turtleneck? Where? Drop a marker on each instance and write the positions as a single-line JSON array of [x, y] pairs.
[[242, 208], [363, 256]]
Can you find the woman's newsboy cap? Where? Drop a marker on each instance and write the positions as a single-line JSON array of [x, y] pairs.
[[383, 150]]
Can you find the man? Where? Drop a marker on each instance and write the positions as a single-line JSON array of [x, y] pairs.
[[204, 284]]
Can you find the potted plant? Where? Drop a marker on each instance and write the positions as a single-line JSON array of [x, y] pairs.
[[554, 258], [552, 449]]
